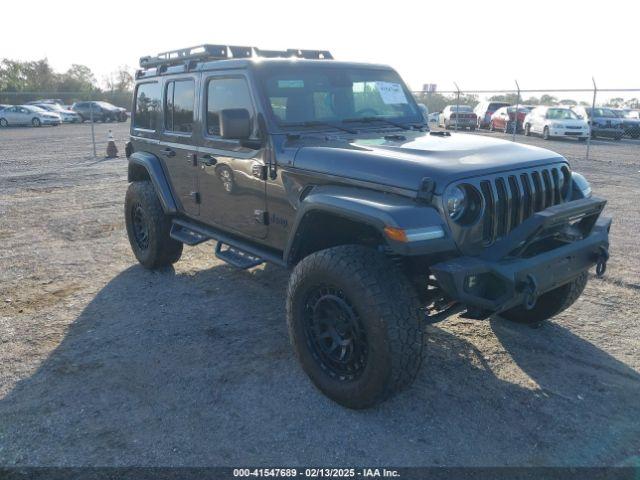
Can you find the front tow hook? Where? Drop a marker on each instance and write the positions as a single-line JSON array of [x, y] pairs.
[[601, 261], [529, 287]]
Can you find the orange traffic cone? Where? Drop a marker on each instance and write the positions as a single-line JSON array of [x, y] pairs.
[[112, 150]]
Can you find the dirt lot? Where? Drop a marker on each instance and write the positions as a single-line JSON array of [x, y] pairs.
[[104, 363]]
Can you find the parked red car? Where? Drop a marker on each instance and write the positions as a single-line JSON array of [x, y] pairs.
[[505, 119], [484, 110]]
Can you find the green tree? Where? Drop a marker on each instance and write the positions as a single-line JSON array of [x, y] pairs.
[[615, 102], [548, 100]]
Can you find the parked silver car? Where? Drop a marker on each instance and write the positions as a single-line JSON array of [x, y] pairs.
[[66, 116], [27, 115]]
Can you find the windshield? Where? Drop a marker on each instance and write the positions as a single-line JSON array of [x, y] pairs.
[[561, 114], [322, 93], [601, 112]]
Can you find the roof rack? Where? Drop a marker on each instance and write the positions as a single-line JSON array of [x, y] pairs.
[[209, 52]]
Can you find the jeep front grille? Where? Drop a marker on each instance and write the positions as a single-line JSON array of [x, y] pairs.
[[511, 198]]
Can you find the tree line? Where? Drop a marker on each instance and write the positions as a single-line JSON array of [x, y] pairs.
[[23, 81]]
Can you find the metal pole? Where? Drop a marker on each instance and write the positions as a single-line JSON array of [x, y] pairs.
[[590, 122], [93, 133], [515, 126], [457, 105]]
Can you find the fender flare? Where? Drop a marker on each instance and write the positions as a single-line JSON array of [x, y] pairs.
[[374, 209], [153, 168]]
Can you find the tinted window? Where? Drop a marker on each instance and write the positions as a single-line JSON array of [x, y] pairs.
[[223, 93], [147, 106], [178, 113]]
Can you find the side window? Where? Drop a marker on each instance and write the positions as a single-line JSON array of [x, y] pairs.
[[223, 93], [179, 101], [147, 106]]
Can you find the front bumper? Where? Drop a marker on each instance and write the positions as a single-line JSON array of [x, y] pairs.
[[563, 132], [50, 121], [608, 132], [546, 251]]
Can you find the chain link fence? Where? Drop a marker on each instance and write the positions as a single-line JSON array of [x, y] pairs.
[[610, 117]]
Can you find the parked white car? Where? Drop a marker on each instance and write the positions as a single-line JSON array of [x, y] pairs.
[[27, 115], [66, 116], [555, 122]]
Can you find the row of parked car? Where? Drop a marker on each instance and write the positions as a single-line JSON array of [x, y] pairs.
[[548, 121], [48, 112]]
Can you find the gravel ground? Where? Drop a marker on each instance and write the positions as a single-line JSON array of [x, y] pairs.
[[104, 363]]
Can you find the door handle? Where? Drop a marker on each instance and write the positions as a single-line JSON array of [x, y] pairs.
[[209, 160], [167, 152]]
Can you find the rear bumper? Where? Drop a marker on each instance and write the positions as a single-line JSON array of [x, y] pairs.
[[463, 122], [508, 276]]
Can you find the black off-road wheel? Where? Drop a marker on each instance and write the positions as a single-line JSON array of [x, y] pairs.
[[354, 322], [148, 227], [549, 304]]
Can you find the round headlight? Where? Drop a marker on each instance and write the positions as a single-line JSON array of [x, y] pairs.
[[456, 202]]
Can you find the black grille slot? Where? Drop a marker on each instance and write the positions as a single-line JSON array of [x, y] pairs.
[[538, 195], [503, 208], [510, 200], [516, 202], [548, 188], [490, 217]]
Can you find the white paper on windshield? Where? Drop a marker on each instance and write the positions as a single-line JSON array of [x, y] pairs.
[[391, 93]]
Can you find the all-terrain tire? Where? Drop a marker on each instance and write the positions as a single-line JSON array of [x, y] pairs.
[[549, 304], [148, 227], [388, 311]]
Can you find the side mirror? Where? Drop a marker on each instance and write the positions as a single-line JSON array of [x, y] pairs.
[[235, 123]]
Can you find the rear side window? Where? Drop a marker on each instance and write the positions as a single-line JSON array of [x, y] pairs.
[[178, 112], [223, 93], [147, 106]]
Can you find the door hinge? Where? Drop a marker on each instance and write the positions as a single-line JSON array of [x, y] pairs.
[[261, 216], [259, 171], [195, 196]]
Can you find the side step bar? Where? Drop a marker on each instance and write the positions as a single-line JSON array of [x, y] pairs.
[[240, 252], [237, 258], [185, 235]]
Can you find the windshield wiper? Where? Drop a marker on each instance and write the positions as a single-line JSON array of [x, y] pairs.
[[317, 123], [376, 119]]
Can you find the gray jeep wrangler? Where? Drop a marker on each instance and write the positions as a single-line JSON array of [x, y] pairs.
[[329, 169]]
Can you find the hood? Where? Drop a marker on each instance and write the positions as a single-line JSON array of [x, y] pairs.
[[403, 163]]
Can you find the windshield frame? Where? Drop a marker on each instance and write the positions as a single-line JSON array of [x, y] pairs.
[[263, 70]]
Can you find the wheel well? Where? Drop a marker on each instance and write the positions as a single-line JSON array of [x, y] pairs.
[[321, 230], [137, 173]]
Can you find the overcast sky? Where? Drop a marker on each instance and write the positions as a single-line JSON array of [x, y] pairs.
[[478, 44]]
